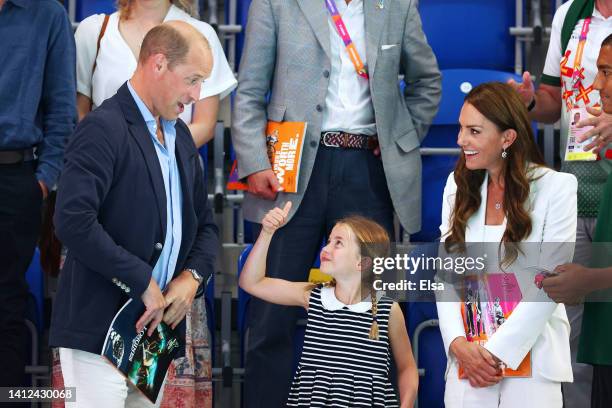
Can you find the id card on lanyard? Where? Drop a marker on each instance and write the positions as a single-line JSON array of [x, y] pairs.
[[346, 38], [574, 151]]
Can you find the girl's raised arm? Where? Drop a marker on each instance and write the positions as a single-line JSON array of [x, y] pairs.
[[253, 276]]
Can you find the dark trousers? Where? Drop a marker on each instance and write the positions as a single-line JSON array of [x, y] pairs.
[[601, 391], [343, 182], [20, 208]]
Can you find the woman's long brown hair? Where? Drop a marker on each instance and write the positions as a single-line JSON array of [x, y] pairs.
[[500, 104]]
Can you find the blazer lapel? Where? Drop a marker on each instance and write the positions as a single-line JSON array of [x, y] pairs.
[[140, 133], [317, 15], [375, 18], [183, 159]]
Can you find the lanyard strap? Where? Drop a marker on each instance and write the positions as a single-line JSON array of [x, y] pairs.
[[346, 38], [576, 75]]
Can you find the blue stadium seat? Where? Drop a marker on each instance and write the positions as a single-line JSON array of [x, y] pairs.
[[85, 8], [456, 83], [470, 33]]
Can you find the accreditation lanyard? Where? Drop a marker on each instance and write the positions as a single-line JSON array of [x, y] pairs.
[[577, 73], [346, 38]]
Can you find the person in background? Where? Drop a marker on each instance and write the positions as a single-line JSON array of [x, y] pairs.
[[102, 68], [37, 115], [133, 215], [578, 28], [575, 281]]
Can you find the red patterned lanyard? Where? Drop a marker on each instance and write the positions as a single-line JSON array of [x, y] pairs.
[[346, 38]]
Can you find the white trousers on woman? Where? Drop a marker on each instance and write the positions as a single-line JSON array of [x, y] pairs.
[[98, 383], [508, 393]]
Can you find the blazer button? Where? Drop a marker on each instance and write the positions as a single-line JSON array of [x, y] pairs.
[[326, 74], [319, 108], [127, 290], [114, 280], [159, 246]]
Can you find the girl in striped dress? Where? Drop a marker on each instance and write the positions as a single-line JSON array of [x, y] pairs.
[[350, 338]]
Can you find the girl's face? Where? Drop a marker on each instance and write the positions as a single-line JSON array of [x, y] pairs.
[[340, 257], [480, 140]]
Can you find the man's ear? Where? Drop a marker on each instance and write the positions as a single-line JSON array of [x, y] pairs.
[[159, 63]]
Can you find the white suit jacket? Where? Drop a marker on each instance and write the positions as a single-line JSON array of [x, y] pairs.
[[540, 326]]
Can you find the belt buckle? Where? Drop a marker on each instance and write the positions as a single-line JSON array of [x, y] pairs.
[[326, 143]]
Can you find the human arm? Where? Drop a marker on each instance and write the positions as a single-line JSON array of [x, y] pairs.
[[253, 275], [602, 123], [407, 374], [57, 106], [85, 38], [479, 366], [204, 118], [86, 179], [547, 99], [421, 74], [511, 342], [573, 282], [250, 119]]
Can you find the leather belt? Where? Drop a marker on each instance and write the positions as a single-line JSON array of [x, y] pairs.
[[16, 156], [349, 140]]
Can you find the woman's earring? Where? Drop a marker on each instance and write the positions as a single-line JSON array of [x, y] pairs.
[[504, 153]]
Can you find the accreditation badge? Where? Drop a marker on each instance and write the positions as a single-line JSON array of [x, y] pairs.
[[575, 150]]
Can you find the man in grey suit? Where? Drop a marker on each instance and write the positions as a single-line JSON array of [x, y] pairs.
[[294, 52]]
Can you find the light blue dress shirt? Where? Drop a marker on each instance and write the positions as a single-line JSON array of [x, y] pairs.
[[164, 268]]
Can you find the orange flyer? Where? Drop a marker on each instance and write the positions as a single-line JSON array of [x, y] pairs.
[[487, 303], [284, 141]]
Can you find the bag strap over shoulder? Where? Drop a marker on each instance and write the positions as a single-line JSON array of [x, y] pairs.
[[102, 31], [579, 10]]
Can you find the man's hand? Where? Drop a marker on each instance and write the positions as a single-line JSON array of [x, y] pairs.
[[44, 189], [570, 285], [154, 304], [525, 89], [179, 296], [602, 123], [479, 365], [264, 184]]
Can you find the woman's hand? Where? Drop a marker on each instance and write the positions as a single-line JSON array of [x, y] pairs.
[[479, 365], [275, 218]]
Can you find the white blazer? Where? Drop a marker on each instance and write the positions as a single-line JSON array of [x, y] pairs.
[[540, 326]]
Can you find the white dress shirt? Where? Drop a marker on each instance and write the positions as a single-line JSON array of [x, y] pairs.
[[348, 104]]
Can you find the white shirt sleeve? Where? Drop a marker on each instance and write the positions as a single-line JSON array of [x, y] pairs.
[[222, 80], [552, 66], [86, 39]]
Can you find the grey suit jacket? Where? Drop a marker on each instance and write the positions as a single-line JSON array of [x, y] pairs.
[[287, 53]]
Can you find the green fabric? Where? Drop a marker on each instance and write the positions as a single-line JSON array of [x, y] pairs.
[[595, 346], [578, 10], [550, 80], [591, 181]]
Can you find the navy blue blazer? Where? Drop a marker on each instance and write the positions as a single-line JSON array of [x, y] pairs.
[[111, 216]]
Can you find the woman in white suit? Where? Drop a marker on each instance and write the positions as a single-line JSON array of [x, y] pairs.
[[502, 192]]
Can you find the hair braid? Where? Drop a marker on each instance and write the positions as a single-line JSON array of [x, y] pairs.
[[374, 327]]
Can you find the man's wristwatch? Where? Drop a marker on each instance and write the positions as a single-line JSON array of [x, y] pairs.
[[196, 275]]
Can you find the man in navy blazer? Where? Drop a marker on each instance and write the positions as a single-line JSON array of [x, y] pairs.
[[132, 212]]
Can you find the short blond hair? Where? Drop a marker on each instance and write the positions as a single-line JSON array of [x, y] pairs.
[[125, 7]]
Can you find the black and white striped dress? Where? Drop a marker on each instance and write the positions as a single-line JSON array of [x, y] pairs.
[[340, 365]]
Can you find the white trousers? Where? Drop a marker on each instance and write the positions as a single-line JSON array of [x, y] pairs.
[[508, 393], [98, 383]]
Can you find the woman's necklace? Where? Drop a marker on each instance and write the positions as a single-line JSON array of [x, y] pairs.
[[497, 198]]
